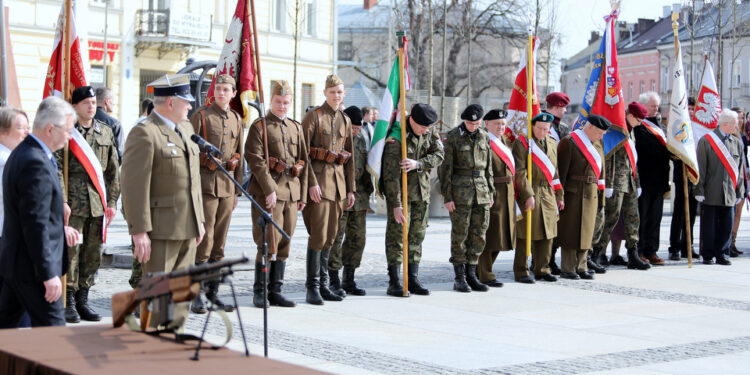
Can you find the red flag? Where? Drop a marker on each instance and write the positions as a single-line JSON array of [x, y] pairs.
[[517, 117], [707, 107], [53, 81], [237, 60]]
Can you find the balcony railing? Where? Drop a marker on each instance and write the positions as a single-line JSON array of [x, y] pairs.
[[170, 29], [152, 22]]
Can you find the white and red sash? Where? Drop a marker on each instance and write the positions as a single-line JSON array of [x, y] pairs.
[[724, 156], [632, 155], [503, 152], [542, 161], [85, 155], [589, 152], [554, 134], [656, 131]]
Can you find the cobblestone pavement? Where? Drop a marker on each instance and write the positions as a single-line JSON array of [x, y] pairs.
[[670, 319]]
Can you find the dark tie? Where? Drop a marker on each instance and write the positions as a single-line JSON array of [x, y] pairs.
[[54, 163]]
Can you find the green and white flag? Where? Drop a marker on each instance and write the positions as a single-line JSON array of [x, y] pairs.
[[389, 107]]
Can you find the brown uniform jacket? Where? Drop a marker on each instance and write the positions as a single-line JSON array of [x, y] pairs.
[[331, 129], [222, 129], [501, 234], [161, 185], [582, 199], [286, 142], [544, 216]]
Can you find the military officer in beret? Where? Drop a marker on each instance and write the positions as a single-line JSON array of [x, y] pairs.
[[501, 232], [621, 193], [161, 185], [349, 244], [424, 152], [88, 211], [557, 105], [544, 197], [221, 126], [581, 168], [279, 182], [467, 185], [328, 132]]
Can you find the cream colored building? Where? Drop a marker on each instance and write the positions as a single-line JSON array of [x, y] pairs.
[[147, 38]]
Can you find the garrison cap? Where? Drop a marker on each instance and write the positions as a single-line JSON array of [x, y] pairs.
[[355, 114], [333, 80], [423, 114], [226, 78], [473, 112], [173, 85], [281, 87], [638, 110], [81, 93], [496, 114], [558, 99], [543, 117], [599, 121]]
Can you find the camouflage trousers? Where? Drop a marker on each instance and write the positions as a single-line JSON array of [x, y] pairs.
[[417, 219], [349, 243], [468, 230], [136, 269], [625, 204], [85, 258]]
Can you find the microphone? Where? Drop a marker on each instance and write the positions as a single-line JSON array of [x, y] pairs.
[[205, 146]]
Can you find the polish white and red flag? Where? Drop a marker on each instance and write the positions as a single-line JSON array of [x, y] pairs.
[[707, 105]]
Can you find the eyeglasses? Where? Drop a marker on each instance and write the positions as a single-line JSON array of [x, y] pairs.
[[61, 127]]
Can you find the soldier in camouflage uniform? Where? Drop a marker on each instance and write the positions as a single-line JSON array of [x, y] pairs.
[[84, 203], [557, 106], [352, 222], [621, 193], [467, 185], [424, 151]]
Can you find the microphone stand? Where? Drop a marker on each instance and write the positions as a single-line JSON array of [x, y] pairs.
[[263, 220]]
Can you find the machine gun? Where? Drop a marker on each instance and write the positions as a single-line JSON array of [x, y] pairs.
[[162, 290]]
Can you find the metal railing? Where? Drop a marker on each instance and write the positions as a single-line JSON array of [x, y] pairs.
[[152, 22]]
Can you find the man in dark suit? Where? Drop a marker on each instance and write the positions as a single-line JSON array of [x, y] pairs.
[[32, 252], [105, 104]]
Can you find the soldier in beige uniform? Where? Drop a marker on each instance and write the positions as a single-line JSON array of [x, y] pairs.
[[279, 184], [221, 126], [161, 185], [330, 181]]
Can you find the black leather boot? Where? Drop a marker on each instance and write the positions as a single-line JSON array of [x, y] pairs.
[[593, 265], [197, 306], [414, 285], [312, 283], [82, 306], [459, 284], [71, 315], [553, 267], [473, 281], [348, 283], [335, 285], [635, 262], [258, 299], [326, 293], [394, 285], [275, 298], [212, 294]]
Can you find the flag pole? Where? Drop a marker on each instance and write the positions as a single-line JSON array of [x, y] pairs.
[[529, 88], [66, 92], [688, 244], [404, 185]]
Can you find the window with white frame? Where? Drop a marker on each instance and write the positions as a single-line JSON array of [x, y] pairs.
[[737, 75], [630, 90], [279, 16], [308, 18]]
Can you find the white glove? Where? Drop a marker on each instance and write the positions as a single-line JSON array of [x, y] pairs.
[[608, 192], [700, 198], [638, 192]]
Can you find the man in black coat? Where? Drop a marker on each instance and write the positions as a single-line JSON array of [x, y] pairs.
[[33, 256]]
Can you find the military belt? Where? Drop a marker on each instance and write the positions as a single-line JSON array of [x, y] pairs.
[[503, 179], [468, 172], [585, 179]]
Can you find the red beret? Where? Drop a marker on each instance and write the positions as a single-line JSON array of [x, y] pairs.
[[558, 99], [638, 110]]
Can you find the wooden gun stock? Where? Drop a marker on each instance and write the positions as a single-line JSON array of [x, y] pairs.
[[123, 304], [182, 288]]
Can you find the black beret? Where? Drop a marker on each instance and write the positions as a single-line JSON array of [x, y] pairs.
[[473, 112], [423, 114], [81, 93], [495, 114], [599, 121], [543, 117], [355, 114]]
